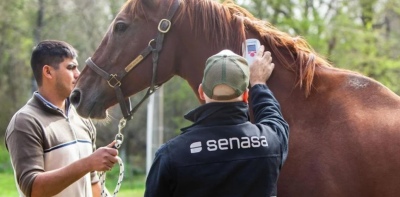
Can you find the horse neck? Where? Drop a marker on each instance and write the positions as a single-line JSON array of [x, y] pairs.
[[283, 83], [191, 66]]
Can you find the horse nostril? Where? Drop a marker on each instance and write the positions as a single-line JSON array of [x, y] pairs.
[[75, 97]]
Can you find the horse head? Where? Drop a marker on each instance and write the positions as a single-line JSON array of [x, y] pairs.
[[134, 55], [127, 59]]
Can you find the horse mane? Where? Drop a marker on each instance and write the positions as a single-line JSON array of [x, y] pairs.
[[219, 23], [281, 44]]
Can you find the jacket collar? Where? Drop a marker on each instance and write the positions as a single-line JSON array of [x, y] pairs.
[[212, 114]]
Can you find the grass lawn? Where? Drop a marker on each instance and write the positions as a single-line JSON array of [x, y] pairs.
[[131, 193], [7, 185], [128, 189]]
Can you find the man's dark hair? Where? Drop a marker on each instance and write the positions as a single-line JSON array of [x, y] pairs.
[[52, 53]]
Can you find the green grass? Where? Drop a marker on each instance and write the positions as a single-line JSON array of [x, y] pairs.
[[129, 188], [7, 185], [131, 193]]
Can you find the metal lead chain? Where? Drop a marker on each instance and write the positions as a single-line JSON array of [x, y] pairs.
[[121, 124], [119, 138]]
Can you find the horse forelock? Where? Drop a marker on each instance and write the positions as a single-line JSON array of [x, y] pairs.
[[135, 7], [132, 6]]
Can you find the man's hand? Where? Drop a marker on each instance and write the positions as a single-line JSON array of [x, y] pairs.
[[262, 67], [104, 158]]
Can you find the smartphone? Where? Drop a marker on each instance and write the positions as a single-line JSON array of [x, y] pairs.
[[249, 48]]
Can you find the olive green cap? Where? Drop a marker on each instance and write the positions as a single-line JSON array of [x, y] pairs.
[[226, 68]]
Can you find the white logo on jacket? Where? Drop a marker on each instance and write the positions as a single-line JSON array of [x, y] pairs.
[[230, 143], [195, 147]]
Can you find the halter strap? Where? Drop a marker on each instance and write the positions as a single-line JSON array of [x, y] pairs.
[[114, 80]]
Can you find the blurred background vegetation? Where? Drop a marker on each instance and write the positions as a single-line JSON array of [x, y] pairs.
[[360, 35]]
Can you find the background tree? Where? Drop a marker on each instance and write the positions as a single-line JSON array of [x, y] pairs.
[[15, 42]]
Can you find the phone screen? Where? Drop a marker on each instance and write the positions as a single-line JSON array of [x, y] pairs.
[[251, 48]]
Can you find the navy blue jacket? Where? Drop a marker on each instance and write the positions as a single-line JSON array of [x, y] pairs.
[[222, 153]]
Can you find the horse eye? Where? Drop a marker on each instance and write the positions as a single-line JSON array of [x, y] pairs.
[[120, 27]]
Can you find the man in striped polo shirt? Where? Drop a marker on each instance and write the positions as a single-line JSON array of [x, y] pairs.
[[50, 145]]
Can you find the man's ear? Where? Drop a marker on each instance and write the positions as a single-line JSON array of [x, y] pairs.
[[246, 96], [201, 92], [47, 71]]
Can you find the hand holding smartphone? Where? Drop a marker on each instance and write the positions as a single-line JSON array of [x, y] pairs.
[[250, 48]]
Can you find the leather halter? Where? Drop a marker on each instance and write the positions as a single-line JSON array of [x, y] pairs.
[[114, 80]]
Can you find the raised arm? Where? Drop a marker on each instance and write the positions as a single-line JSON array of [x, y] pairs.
[[265, 107]]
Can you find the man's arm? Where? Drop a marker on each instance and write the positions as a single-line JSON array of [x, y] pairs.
[[53, 182], [96, 189], [265, 107]]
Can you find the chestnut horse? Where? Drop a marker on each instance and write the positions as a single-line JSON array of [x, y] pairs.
[[344, 127]]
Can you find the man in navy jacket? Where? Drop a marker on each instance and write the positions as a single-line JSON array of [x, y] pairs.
[[223, 153]]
